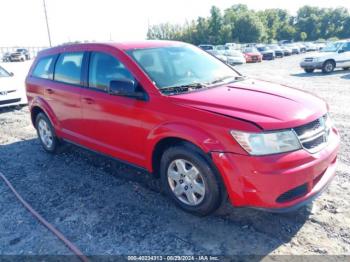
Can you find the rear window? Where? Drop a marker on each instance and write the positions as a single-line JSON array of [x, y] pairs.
[[42, 68], [68, 68]]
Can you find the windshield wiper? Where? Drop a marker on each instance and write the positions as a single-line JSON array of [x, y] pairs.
[[222, 79], [183, 88]]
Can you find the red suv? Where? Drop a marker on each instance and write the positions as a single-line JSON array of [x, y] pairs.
[[181, 114]]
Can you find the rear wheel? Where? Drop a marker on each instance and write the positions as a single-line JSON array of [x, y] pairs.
[[328, 67], [46, 133], [189, 180], [309, 70]]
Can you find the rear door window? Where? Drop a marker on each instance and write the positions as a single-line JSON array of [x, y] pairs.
[[43, 68], [68, 68]]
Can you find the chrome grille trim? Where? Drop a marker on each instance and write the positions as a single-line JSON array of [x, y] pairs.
[[313, 136]]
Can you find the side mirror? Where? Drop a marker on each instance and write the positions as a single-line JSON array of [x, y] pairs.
[[11, 74], [341, 51], [125, 88]]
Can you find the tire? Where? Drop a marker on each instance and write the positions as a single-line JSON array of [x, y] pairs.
[[346, 68], [192, 175], [309, 70], [46, 134], [328, 67]]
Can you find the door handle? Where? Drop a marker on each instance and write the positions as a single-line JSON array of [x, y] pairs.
[[49, 91], [88, 100]]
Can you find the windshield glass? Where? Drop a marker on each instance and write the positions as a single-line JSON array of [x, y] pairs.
[[233, 53], [206, 47], [3, 72], [176, 66], [250, 50], [332, 47]]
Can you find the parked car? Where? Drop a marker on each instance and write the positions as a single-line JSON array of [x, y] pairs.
[[12, 91], [334, 55], [203, 128], [310, 47], [295, 49], [277, 50], [266, 52], [20, 54], [207, 47], [6, 57], [320, 46], [286, 50], [252, 55], [221, 47], [233, 46], [301, 46], [218, 54], [235, 57]]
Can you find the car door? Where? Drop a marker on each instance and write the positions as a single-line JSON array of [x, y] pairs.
[[63, 94], [112, 124], [345, 55]]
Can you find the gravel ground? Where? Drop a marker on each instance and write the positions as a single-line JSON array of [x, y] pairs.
[[105, 207]]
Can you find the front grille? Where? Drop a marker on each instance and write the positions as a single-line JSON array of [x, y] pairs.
[[10, 101], [308, 59], [314, 135]]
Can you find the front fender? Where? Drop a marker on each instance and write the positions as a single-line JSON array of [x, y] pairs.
[[202, 139]]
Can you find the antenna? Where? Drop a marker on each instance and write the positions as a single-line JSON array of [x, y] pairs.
[[47, 23]]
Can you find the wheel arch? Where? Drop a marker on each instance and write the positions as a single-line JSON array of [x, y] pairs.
[[178, 134], [37, 106], [331, 60]]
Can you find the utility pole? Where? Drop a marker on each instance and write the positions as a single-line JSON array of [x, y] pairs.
[[47, 23]]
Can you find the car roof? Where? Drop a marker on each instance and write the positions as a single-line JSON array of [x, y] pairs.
[[119, 45]]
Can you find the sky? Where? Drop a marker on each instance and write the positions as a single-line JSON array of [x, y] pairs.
[[116, 20]]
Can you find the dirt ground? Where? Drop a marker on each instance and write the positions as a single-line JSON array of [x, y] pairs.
[[105, 207]]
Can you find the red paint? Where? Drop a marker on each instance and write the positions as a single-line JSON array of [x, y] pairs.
[[253, 57], [129, 129]]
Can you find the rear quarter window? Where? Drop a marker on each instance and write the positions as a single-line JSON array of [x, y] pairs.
[[42, 68]]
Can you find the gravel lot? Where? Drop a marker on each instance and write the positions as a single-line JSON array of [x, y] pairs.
[[105, 207]]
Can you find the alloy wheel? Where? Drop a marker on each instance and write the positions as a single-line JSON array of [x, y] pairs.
[[186, 182]]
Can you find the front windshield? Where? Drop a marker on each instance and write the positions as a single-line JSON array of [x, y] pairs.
[[176, 66], [332, 47], [263, 48], [233, 53], [250, 50], [3, 72]]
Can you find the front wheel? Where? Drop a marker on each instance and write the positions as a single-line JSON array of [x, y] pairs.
[[46, 133], [189, 180], [328, 67], [309, 70]]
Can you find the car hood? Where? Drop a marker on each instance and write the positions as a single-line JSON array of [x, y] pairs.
[[323, 54], [8, 84], [235, 57], [268, 105]]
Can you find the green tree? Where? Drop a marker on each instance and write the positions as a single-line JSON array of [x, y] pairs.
[[214, 25], [345, 32], [303, 36], [249, 28], [240, 24]]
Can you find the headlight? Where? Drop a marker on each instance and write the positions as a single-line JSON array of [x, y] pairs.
[[267, 143]]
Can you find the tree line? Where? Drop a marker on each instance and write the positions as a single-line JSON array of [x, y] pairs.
[[240, 24]]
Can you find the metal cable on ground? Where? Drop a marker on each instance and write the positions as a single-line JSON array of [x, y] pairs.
[[69, 244]]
